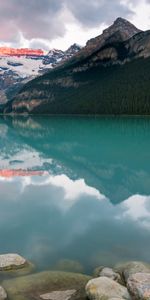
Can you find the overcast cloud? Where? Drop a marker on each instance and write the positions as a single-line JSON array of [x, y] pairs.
[[42, 23]]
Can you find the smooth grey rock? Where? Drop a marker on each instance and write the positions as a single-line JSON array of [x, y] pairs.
[[110, 273], [11, 261], [139, 286], [58, 295], [116, 299], [133, 267], [3, 294], [105, 288]]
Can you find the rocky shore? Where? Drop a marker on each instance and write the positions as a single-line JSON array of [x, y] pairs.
[[125, 281]]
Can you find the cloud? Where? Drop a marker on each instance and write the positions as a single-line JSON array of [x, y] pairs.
[[95, 12], [34, 18], [141, 18], [137, 208], [47, 19], [57, 23]]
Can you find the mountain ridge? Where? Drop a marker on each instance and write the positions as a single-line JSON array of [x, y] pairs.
[[93, 80], [126, 29]]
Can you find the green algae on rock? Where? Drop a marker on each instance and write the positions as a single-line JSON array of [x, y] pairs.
[[32, 286], [58, 295]]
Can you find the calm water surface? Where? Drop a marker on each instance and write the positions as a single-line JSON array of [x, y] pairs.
[[75, 192]]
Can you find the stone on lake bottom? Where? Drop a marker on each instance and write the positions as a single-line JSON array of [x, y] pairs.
[[11, 262], [139, 286], [3, 294], [58, 295], [106, 288], [34, 285]]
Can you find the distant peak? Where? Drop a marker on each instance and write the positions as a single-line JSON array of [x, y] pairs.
[[126, 28], [124, 23], [120, 20], [75, 46]]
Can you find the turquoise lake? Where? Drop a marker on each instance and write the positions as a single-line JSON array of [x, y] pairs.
[[75, 191]]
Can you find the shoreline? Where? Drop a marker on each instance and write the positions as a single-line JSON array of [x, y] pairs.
[[125, 281]]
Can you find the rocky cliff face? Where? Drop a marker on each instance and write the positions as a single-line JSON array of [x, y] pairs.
[[121, 26]]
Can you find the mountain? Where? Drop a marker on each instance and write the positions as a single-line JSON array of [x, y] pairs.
[[122, 27], [72, 50], [110, 75], [55, 56], [18, 66], [81, 148]]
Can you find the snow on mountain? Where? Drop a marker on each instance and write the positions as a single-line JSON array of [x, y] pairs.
[[21, 66], [32, 62], [17, 66], [53, 57]]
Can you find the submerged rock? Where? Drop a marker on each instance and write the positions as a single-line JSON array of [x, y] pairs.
[[11, 262], [133, 267], [33, 286], [105, 288], [3, 294], [139, 286], [58, 295]]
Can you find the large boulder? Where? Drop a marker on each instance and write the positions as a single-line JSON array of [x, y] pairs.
[[35, 285], [3, 294], [139, 286], [11, 261], [14, 265], [133, 267], [105, 288]]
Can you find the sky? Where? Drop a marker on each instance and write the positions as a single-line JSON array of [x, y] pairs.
[[57, 24]]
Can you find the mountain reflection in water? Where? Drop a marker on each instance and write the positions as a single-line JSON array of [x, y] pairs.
[[75, 189]]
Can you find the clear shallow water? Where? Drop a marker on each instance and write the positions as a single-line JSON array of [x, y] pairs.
[[75, 189]]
